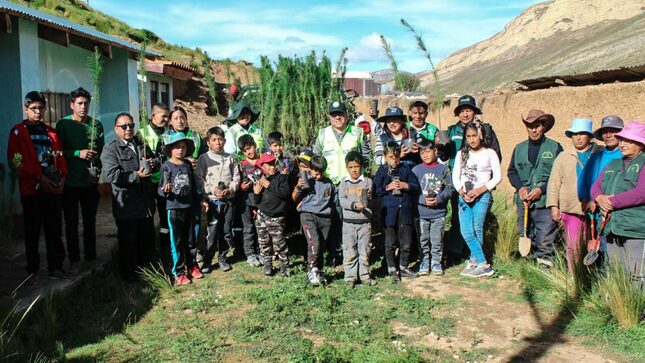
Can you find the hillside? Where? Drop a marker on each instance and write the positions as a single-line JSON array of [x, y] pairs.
[[550, 38]]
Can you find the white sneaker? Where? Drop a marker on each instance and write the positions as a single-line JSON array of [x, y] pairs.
[[313, 276]]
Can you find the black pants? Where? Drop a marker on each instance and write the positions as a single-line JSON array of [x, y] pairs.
[[402, 233], [249, 233], [88, 198], [183, 245], [164, 238], [43, 210], [316, 229], [218, 231], [335, 240], [136, 243]]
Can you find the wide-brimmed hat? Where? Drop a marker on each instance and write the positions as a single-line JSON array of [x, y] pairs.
[[336, 107], [634, 131], [392, 112], [467, 101], [608, 122], [176, 137], [580, 125], [539, 116], [237, 110]]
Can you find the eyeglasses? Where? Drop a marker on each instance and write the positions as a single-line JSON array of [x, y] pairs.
[[34, 109], [126, 126]]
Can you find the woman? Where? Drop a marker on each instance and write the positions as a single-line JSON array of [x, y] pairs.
[[620, 195], [395, 131], [476, 173]]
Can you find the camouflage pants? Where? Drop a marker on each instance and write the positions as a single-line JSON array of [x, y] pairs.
[[271, 237]]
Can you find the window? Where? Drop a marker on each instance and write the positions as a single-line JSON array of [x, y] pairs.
[[165, 95], [57, 106], [154, 88]]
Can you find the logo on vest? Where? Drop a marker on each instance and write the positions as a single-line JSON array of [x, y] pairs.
[[547, 155], [633, 169]]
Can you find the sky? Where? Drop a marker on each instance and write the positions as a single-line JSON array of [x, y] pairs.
[[245, 30]]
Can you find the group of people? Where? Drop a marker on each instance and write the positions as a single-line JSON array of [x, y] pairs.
[[236, 173]]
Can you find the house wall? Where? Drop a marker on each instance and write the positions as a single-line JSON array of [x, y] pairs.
[[63, 69], [161, 79]]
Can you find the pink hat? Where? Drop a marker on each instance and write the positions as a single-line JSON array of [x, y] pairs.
[[266, 158], [634, 131]]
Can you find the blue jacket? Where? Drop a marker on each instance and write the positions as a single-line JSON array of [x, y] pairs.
[[405, 203], [591, 172], [437, 179], [319, 198]]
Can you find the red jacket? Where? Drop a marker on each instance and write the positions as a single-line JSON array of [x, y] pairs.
[[30, 170]]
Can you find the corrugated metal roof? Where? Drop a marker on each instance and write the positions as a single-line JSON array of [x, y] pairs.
[[48, 19], [624, 74]]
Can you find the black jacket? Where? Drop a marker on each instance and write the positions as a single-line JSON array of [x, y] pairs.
[[274, 200]]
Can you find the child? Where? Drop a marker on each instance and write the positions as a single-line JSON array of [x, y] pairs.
[[178, 187], [218, 178], [354, 192], [315, 197], [395, 185], [271, 195], [251, 173], [436, 189], [476, 173], [276, 148]]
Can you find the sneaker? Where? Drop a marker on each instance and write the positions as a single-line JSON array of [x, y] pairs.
[[351, 284], [253, 261], [369, 282], [59, 274], [469, 267], [321, 278], [206, 268], [268, 267], [196, 273], [182, 280], [283, 269], [424, 268], [312, 275], [481, 271], [437, 269], [406, 272], [223, 265], [74, 268], [199, 258], [394, 275]]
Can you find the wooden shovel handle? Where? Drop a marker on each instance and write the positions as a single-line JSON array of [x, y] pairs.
[[526, 216]]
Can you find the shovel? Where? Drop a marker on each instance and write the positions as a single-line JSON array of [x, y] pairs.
[[594, 244], [525, 242]]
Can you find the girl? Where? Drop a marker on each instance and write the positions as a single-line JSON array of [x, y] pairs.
[[476, 173]]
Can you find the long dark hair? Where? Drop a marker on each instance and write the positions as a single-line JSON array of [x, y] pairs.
[[478, 126]]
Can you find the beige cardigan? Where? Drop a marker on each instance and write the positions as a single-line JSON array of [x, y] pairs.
[[562, 190]]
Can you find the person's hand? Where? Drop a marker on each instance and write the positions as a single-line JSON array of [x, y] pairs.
[[246, 185], [205, 206], [405, 151], [265, 182], [555, 214], [430, 202], [534, 195], [467, 198], [87, 154], [391, 186], [415, 148], [476, 192], [403, 185], [257, 188], [167, 188], [358, 206], [225, 193], [589, 206], [193, 162], [301, 183], [142, 174], [523, 193], [604, 202]]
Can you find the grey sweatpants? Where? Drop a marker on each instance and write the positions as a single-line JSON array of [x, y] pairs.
[[631, 254], [356, 248], [430, 240]]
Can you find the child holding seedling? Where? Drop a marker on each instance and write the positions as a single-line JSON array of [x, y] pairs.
[[436, 189], [276, 147], [354, 192], [251, 173], [178, 187], [395, 184], [271, 195], [476, 173], [218, 178], [315, 196]]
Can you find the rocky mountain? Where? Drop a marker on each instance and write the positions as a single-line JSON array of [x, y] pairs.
[[551, 38]]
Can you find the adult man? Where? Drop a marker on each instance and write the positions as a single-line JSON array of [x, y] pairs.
[[529, 173], [333, 143], [132, 197], [243, 117], [152, 136], [82, 139], [417, 113], [35, 153]]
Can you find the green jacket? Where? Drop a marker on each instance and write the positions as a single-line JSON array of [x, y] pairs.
[[75, 136], [428, 131], [538, 176], [618, 178]]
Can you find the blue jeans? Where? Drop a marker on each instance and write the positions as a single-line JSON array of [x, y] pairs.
[[471, 224]]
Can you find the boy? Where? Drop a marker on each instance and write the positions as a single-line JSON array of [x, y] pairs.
[[315, 197], [251, 173], [354, 192], [177, 185], [271, 195], [276, 147], [436, 189], [218, 178], [36, 155], [395, 185]]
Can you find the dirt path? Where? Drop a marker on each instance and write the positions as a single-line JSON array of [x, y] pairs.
[[491, 315]]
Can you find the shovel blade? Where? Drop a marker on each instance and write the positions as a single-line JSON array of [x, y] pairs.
[[525, 246], [590, 257]]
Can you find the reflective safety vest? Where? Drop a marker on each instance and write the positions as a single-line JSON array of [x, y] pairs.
[[334, 151], [155, 143], [236, 131]]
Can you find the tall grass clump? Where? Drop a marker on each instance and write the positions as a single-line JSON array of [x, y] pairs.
[[501, 228], [11, 348], [402, 81], [157, 278], [211, 86], [616, 296]]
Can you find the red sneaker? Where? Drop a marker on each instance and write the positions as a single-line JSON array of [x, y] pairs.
[[182, 280], [196, 273]]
